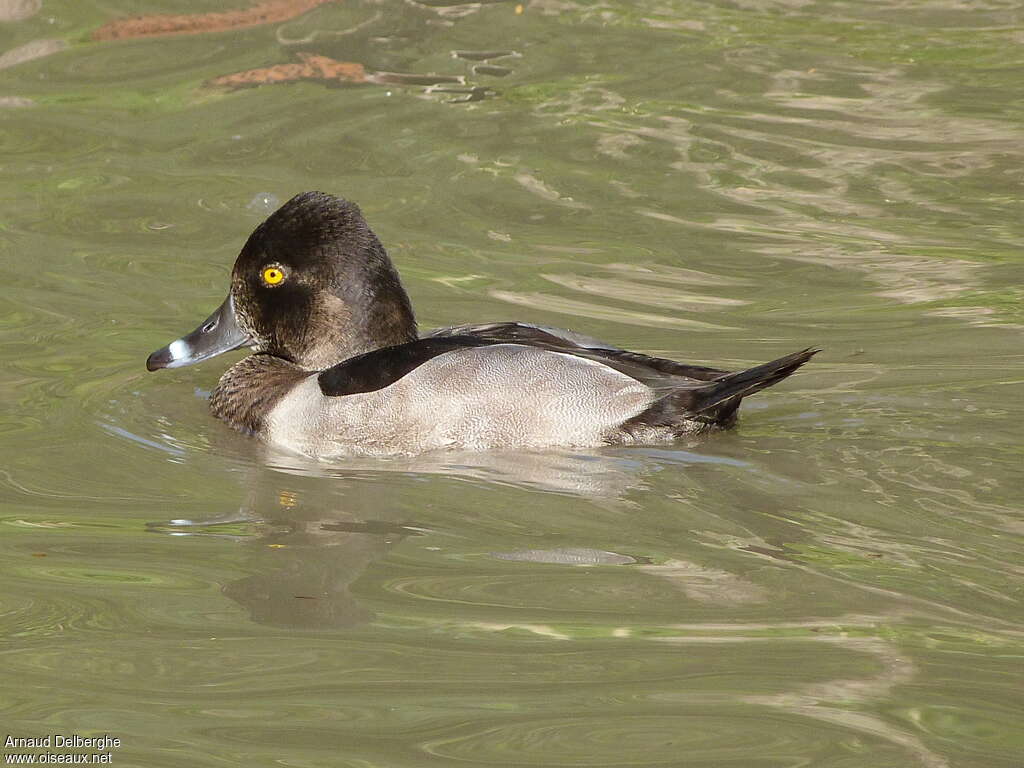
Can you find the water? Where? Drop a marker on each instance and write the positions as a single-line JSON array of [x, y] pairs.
[[835, 583]]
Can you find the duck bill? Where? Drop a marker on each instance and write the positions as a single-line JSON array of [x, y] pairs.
[[218, 333]]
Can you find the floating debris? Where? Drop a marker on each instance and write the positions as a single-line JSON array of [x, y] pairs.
[[314, 67], [311, 67], [270, 12]]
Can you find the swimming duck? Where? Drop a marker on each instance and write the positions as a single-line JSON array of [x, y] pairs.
[[339, 368]]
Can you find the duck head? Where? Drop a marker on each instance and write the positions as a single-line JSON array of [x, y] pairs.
[[313, 285]]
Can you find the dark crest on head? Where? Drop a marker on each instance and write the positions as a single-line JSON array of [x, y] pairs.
[[339, 295]]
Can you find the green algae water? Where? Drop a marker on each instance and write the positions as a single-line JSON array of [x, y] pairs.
[[837, 582]]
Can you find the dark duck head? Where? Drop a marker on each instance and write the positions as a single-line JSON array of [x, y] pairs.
[[313, 285]]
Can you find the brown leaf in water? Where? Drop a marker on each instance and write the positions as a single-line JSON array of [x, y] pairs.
[[268, 12], [312, 67]]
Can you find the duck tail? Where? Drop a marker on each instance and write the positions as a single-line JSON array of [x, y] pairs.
[[716, 402]]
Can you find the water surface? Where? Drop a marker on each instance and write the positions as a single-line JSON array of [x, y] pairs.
[[837, 582]]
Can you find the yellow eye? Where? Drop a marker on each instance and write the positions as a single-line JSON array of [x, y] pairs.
[[272, 275]]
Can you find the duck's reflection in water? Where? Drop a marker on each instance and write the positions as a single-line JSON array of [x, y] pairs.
[[594, 474], [303, 567], [313, 528]]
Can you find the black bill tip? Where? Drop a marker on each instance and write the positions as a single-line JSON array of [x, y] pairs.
[[162, 358], [218, 333]]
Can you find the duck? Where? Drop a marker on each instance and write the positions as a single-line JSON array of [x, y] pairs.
[[338, 367]]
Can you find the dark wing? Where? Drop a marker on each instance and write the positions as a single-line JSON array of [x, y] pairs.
[[656, 372], [716, 402], [382, 367]]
